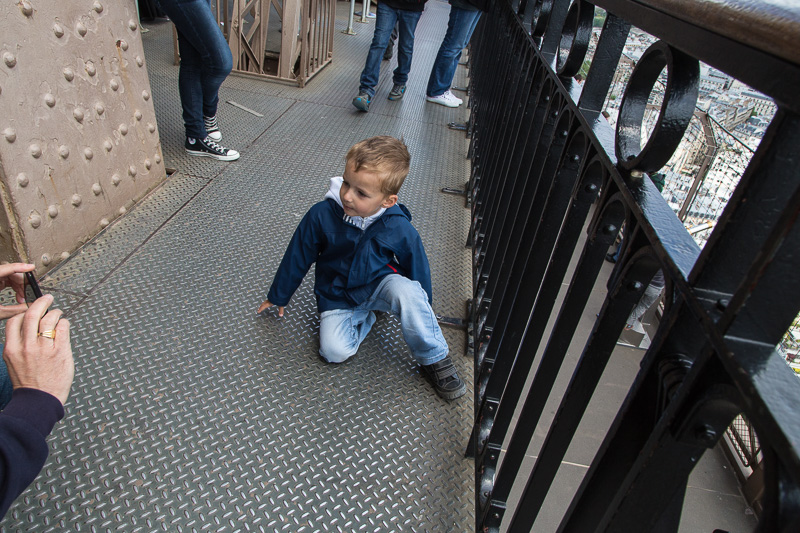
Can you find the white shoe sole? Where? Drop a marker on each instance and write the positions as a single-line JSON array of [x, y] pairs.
[[231, 157], [441, 102]]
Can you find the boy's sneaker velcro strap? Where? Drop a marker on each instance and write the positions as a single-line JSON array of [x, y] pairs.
[[444, 376]]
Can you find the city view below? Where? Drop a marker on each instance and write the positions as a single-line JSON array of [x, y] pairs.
[[729, 122]]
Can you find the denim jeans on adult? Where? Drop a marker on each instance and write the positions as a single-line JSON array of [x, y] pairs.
[[205, 60], [341, 331], [460, 26], [6, 389], [386, 17]]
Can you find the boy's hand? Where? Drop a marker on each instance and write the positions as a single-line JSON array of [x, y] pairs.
[[267, 304]]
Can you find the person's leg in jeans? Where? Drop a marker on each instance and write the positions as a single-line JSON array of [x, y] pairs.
[[405, 44], [460, 26], [205, 61], [6, 388], [386, 17], [387, 55], [342, 331]]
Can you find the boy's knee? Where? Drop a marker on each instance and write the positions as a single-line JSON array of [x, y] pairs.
[[336, 354]]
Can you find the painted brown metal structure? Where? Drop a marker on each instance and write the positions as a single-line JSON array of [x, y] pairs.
[[79, 141], [304, 35]]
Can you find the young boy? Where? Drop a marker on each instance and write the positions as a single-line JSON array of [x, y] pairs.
[[369, 258]]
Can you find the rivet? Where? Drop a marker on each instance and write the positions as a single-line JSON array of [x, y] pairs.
[[638, 174], [104, 222], [58, 30], [132, 171], [139, 61], [151, 127], [63, 151], [146, 95], [68, 74], [576, 158], [46, 259], [132, 25], [147, 164], [107, 145], [88, 153], [115, 179], [9, 59], [90, 68], [76, 200], [122, 44], [98, 7], [35, 220], [100, 108], [52, 211], [137, 115], [157, 158], [591, 187], [78, 114], [114, 84], [723, 303], [564, 133], [97, 189], [22, 179], [81, 29], [123, 129], [10, 134], [36, 151], [50, 100], [122, 210], [27, 8], [635, 286], [64, 256]]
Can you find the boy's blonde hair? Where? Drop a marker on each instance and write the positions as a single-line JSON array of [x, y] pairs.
[[385, 155]]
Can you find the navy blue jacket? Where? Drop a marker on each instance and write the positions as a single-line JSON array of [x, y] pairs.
[[24, 424], [351, 262]]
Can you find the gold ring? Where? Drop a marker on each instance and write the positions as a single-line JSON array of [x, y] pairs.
[[50, 334]]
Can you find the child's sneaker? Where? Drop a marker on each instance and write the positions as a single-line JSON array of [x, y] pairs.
[[209, 148], [397, 92], [446, 99], [212, 128], [362, 101], [444, 376]]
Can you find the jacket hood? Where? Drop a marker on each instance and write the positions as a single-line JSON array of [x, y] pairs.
[[362, 222]]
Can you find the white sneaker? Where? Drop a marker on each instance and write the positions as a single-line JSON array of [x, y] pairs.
[[446, 99]]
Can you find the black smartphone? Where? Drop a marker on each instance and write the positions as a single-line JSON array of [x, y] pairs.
[[32, 290]]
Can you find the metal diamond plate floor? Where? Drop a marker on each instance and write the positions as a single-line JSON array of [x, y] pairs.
[[191, 413]]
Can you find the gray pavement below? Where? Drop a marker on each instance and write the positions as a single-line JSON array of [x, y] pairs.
[[190, 412]]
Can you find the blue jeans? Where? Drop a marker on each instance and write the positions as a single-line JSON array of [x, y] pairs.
[[5, 383], [341, 331], [460, 26], [205, 61], [386, 18]]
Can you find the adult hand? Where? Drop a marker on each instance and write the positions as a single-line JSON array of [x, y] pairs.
[[267, 304], [35, 361], [11, 275]]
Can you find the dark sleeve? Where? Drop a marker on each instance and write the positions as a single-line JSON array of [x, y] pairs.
[[24, 424], [414, 262], [301, 253]]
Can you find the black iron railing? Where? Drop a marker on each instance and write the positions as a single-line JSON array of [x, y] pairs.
[[544, 158]]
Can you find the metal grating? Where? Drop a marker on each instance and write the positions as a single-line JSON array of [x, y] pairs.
[[191, 413]]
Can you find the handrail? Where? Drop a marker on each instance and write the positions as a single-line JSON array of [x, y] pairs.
[[541, 151]]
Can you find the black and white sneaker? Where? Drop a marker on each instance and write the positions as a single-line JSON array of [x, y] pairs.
[[444, 377], [209, 148], [212, 128]]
